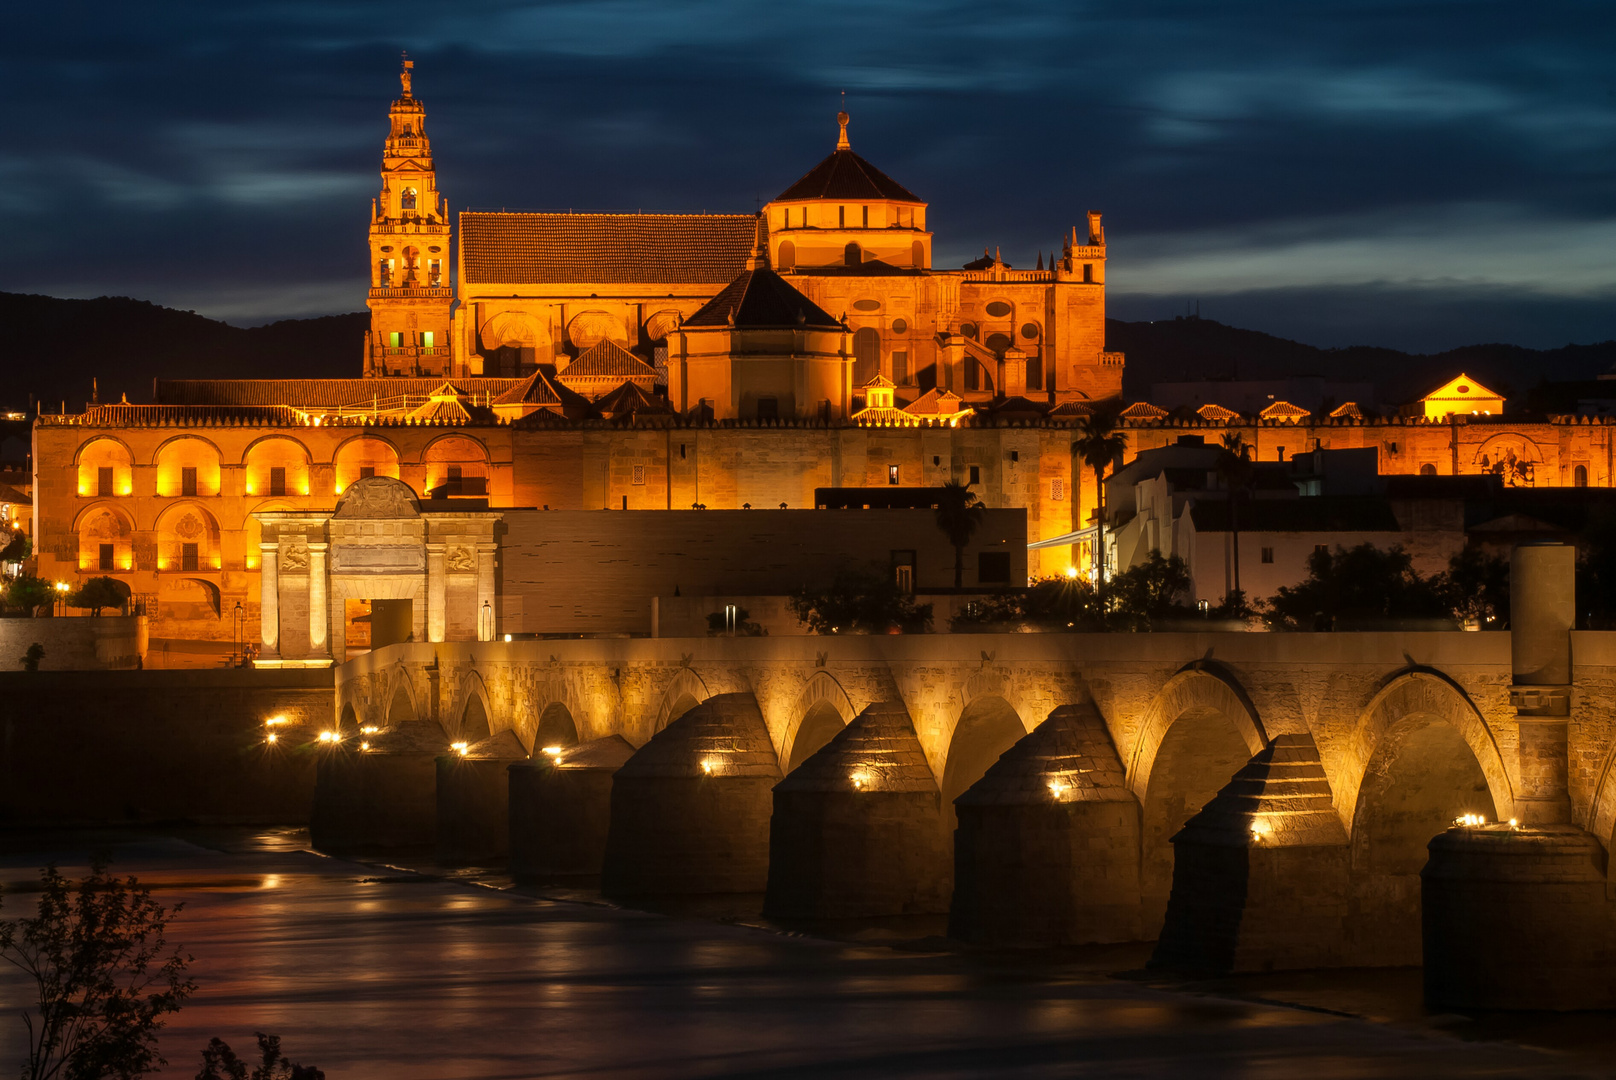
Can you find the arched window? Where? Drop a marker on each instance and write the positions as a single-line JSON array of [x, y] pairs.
[[854, 255], [407, 200], [187, 466], [917, 255], [867, 355], [1579, 476], [787, 259], [362, 457], [998, 343], [105, 469], [1427, 469]]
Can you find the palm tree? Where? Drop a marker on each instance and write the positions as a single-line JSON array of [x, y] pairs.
[[1099, 443], [959, 515], [1234, 465]]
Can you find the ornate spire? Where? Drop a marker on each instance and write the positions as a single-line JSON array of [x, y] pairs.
[[841, 140], [405, 73], [759, 259]]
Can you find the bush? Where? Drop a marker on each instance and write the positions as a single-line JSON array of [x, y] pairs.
[[31, 658], [219, 1062], [1055, 603], [858, 601], [716, 624], [1361, 584]]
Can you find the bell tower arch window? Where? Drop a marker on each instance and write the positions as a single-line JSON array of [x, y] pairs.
[[788, 255], [406, 201], [853, 255]]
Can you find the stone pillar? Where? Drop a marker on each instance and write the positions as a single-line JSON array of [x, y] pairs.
[[1514, 914], [269, 600], [437, 586], [319, 645], [485, 593], [1543, 611]]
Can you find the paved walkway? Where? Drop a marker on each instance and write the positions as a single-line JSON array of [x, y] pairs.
[[373, 974]]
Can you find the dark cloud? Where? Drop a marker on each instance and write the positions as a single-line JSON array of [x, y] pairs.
[[1423, 174]]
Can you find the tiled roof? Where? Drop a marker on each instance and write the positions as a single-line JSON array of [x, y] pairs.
[[1350, 411], [1284, 410], [1143, 410], [1217, 413], [762, 299], [937, 403], [604, 248], [536, 389], [607, 360], [9, 494], [845, 175], [1072, 408], [152, 415], [313, 393], [630, 399]]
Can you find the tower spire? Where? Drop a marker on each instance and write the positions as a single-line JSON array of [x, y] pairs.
[[842, 118], [405, 73]]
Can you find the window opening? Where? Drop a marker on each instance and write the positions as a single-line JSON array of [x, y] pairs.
[[188, 557], [106, 557], [103, 480], [277, 480], [188, 480], [892, 474]]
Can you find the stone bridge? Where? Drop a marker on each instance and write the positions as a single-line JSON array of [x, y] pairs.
[[1367, 745]]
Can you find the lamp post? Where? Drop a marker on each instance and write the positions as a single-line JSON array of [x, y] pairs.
[[235, 653], [61, 598]]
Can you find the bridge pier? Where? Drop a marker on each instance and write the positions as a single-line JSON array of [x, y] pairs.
[[1261, 874], [1047, 849], [1515, 915], [561, 807], [380, 798], [857, 829], [473, 801], [690, 809]]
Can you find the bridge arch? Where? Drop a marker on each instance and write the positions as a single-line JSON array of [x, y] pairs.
[[400, 698], [821, 711], [476, 712], [685, 692], [554, 715], [1421, 756], [1200, 729], [988, 724], [1602, 812]]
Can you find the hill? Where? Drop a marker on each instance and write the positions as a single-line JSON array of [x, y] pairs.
[[1194, 348], [51, 349]]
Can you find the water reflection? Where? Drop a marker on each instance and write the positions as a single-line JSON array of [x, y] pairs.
[[388, 974]]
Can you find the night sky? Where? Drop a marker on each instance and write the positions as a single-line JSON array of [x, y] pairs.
[[1419, 175]]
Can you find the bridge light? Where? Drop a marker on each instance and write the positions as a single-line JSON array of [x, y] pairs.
[[1071, 573], [1469, 820], [459, 748], [1059, 788], [861, 780], [330, 737], [275, 721], [708, 766], [364, 746], [369, 729], [271, 738], [551, 751], [1514, 824]]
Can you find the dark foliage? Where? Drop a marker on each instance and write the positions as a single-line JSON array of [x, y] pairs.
[[98, 593], [27, 592], [959, 515], [861, 601], [1476, 587], [18, 548], [31, 658], [743, 627], [1358, 586], [219, 1062], [97, 954], [1143, 596]]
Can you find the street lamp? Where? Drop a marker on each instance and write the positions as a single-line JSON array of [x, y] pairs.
[[235, 654], [61, 596]]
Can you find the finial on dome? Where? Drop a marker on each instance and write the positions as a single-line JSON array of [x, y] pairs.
[[841, 140], [404, 74]]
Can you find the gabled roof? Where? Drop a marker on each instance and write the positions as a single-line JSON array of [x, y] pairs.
[[1347, 411], [1143, 410], [1461, 388], [940, 403], [1217, 414], [1070, 409], [605, 248], [607, 359], [845, 175], [762, 299]]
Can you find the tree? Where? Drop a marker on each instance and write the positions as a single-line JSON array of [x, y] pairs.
[[29, 592], [31, 658], [717, 624], [1363, 584], [98, 958], [858, 601], [959, 515], [98, 593], [1099, 444], [1476, 586], [18, 548], [1149, 592], [219, 1062], [1234, 465]]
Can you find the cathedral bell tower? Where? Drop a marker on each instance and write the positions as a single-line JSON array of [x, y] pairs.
[[410, 292]]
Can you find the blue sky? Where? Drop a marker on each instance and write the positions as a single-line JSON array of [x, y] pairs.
[[1420, 175]]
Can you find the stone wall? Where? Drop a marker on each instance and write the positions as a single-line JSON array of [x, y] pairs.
[[111, 642], [106, 747]]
